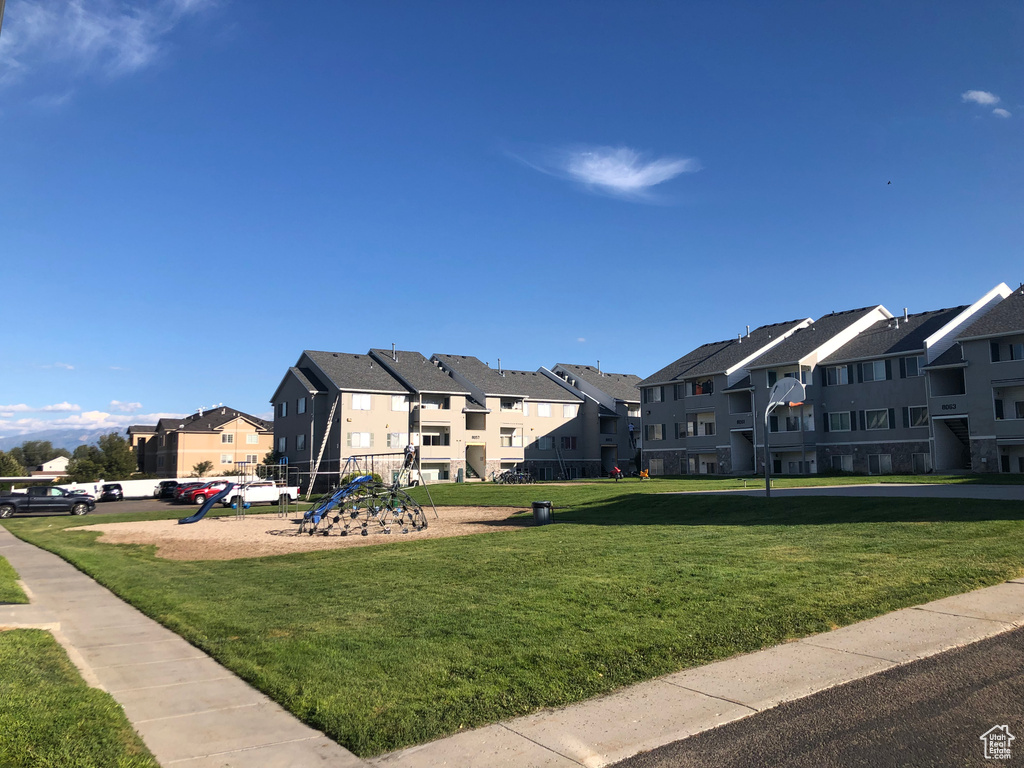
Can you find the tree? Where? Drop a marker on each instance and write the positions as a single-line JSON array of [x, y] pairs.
[[32, 453], [9, 468], [119, 460], [271, 458], [202, 468], [86, 465]]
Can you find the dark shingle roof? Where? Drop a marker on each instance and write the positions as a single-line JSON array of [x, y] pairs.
[[211, 420], [355, 373], [1006, 317], [621, 386], [479, 374], [895, 336], [307, 378], [806, 340], [418, 372], [719, 356], [952, 356], [537, 386]]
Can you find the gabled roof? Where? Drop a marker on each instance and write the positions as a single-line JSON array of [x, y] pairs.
[[211, 421], [720, 356], [417, 372], [620, 386], [353, 373], [806, 340], [486, 379], [1004, 318], [537, 386], [895, 336], [952, 357]]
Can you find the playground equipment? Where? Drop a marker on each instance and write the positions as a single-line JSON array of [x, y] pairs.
[[208, 505], [363, 505]]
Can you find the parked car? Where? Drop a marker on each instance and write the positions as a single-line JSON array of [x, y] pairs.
[[111, 492], [182, 488], [165, 489], [203, 492], [81, 492], [263, 492], [45, 498]]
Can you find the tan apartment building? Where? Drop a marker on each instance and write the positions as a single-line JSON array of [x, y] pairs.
[[225, 437]]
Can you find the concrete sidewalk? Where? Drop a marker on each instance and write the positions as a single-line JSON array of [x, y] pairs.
[[190, 711], [193, 713]]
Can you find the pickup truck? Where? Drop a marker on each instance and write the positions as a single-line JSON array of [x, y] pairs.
[[262, 492], [45, 498]]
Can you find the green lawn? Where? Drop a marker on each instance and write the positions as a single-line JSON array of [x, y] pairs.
[[381, 647], [10, 592], [49, 717]]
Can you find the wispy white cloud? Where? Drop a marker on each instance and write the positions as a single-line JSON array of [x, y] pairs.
[[84, 37], [581, 339], [117, 405], [619, 171], [1001, 112], [980, 97]]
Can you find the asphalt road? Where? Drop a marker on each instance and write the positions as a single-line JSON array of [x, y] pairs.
[[129, 505], [927, 713]]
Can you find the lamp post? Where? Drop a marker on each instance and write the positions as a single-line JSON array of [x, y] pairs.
[[785, 391]]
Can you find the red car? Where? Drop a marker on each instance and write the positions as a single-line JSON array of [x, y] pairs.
[[203, 492], [183, 487]]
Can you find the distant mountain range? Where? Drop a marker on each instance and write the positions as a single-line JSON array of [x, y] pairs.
[[59, 438]]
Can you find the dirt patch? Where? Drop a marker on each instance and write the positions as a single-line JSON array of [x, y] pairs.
[[229, 538]]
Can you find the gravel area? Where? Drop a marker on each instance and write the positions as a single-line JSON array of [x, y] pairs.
[[229, 538]]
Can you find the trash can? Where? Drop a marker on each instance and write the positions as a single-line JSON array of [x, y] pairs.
[[541, 512]]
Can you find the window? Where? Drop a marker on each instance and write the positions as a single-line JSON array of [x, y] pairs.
[[837, 375], [1018, 409], [282, 444], [702, 387], [654, 431], [656, 467], [399, 402], [300, 405], [360, 402], [544, 473], [918, 416], [436, 438], [227, 437], [300, 442], [913, 366], [921, 463], [880, 464], [877, 419], [398, 439], [654, 394], [159, 462], [568, 442], [511, 437], [543, 409], [873, 371], [359, 440], [793, 423], [633, 412], [545, 443], [226, 458], [282, 410], [252, 439], [1017, 351], [842, 463], [839, 422], [508, 405], [678, 391], [708, 428], [569, 411]]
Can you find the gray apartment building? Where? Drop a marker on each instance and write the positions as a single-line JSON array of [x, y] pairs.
[[884, 394]]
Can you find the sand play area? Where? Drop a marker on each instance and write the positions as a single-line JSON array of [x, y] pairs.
[[228, 538]]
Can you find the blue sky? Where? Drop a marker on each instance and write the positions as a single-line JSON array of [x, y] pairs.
[[194, 191]]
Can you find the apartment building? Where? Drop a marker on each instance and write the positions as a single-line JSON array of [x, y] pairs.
[[976, 391], [521, 419], [611, 412], [884, 394], [225, 437]]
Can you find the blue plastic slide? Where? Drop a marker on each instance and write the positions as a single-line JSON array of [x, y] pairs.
[[208, 505]]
